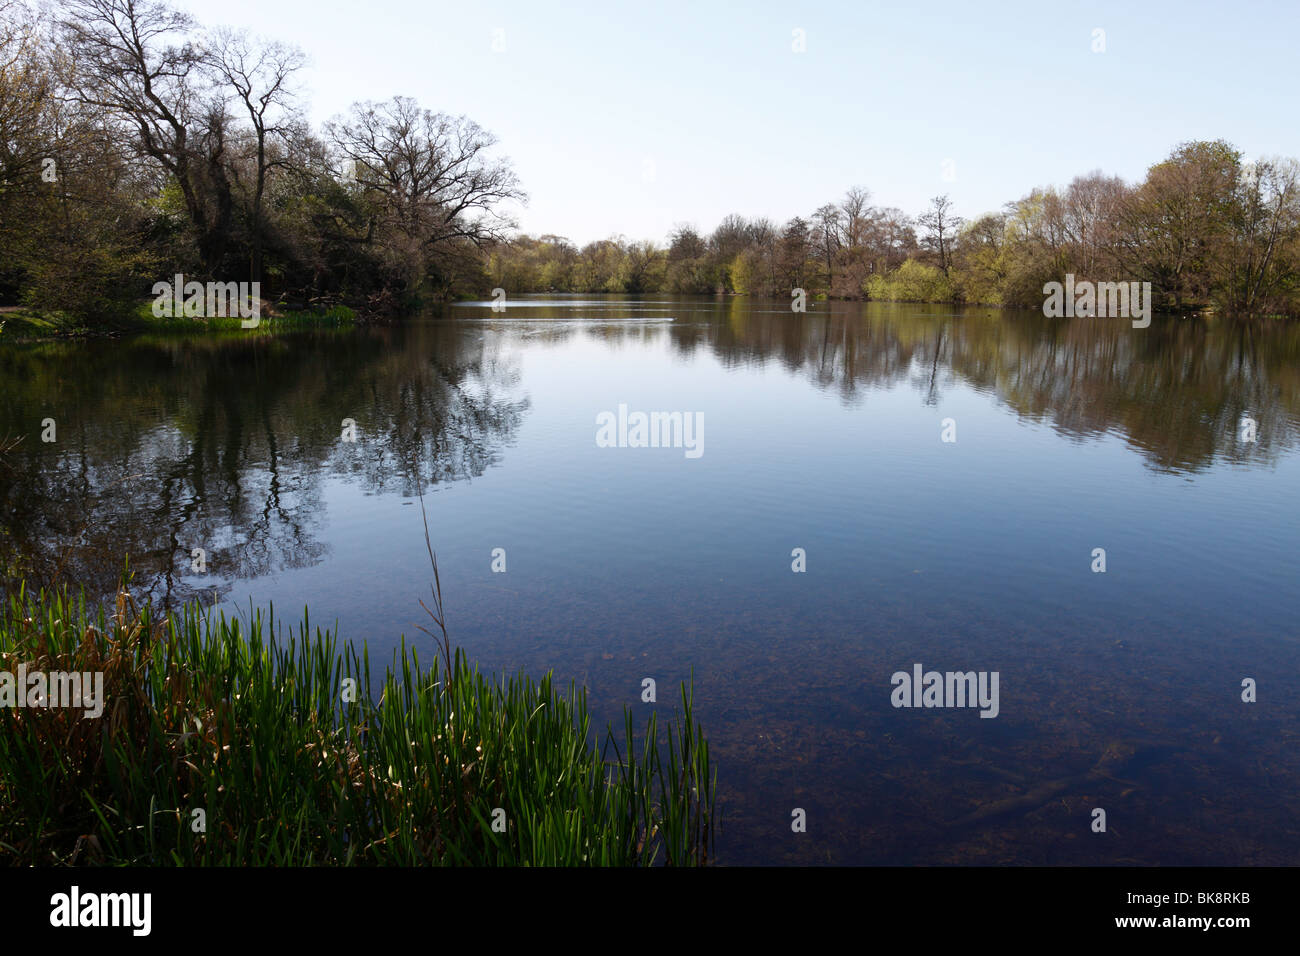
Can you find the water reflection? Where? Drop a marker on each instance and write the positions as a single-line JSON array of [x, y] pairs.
[[1118, 687], [163, 446], [1177, 391], [165, 443]]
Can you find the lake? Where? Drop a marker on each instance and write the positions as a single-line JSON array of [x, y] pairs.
[[1171, 448]]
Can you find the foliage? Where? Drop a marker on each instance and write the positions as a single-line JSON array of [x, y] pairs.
[[205, 713], [136, 146], [912, 282], [1207, 230]]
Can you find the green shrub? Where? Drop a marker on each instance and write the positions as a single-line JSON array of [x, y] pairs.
[[911, 282]]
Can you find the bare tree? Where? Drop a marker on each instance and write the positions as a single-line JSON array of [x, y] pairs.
[[828, 236], [941, 228], [1090, 207], [427, 177], [133, 59], [856, 207], [891, 237], [259, 77]]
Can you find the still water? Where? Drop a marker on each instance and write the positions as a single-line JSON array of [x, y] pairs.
[[822, 431]]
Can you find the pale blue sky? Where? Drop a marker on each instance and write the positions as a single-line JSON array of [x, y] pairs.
[[628, 118]]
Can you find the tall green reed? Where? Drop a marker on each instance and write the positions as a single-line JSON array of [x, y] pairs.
[[291, 759]]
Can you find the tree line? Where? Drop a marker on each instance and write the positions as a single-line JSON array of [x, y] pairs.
[[1206, 227], [135, 145]]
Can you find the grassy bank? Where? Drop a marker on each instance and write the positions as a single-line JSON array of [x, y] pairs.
[[24, 324], [273, 319], [221, 744]]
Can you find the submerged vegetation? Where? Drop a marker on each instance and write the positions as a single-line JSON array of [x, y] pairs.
[[223, 743]]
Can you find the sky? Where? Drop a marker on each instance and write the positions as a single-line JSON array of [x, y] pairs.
[[630, 118]]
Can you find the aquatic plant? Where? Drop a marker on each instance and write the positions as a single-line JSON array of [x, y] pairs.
[[228, 742]]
